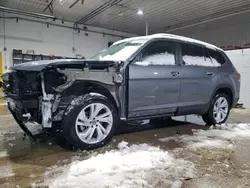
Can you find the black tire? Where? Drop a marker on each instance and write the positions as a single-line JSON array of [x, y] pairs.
[[68, 122], [209, 118]]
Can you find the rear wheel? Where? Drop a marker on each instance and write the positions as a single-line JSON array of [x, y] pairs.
[[90, 122], [218, 111]]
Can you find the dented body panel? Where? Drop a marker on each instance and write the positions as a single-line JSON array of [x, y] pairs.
[[56, 83]]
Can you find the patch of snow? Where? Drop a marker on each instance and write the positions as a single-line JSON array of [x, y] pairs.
[[200, 61], [145, 121], [9, 138], [177, 184], [7, 71], [143, 63], [34, 185], [227, 131], [197, 141], [74, 102], [132, 166], [96, 94], [158, 59], [219, 136], [122, 145], [215, 143], [32, 175], [3, 154], [170, 36], [6, 171], [47, 111], [121, 55], [11, 145]]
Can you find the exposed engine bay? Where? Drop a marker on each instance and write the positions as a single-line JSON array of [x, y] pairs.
[[41, 91]]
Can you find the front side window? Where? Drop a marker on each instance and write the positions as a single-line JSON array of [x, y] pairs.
[[121, 51], [158, 53], [196, 56]]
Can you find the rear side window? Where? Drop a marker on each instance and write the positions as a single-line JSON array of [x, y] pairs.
[[158, 53], [216, 57], [196, 56]]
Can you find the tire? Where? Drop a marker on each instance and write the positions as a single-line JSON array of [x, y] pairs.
[[211, 117], [83, 130]]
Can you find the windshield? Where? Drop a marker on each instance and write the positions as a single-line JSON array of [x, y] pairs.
[[121, 51]]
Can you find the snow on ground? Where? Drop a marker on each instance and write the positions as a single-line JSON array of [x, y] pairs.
[[219, 136], [3, 154], [127, 167], [6, 171], [142, 165]]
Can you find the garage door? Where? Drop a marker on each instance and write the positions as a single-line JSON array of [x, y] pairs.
[[241, 60]]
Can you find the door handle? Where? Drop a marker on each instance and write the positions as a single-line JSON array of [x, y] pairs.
[[209, 73], [174, 73]]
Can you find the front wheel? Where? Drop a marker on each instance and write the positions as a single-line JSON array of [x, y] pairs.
[[89, 122], [218, 111]]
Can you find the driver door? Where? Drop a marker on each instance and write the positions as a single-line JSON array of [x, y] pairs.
[[154, 85]]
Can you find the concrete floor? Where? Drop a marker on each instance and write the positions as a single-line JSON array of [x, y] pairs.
[[23, 163]]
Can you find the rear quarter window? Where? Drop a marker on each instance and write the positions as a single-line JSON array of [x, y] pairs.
[[216, 57]]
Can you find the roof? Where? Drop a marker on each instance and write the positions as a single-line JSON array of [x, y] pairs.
[[170, 36]]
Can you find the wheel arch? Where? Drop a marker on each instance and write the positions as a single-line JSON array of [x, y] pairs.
[[84, 87], [226, 89]]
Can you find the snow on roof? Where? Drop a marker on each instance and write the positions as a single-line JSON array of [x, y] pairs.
[[170, 36]]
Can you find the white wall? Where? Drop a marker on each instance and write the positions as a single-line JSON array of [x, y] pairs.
[[234, 30], [26, 35], [241, 61]]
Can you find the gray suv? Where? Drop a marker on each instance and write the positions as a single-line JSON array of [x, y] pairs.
[[151, 77]]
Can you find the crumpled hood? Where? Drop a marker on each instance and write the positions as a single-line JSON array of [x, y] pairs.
[[32, 66], [65, 63]]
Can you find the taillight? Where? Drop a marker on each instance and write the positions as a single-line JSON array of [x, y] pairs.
[[237, 75]]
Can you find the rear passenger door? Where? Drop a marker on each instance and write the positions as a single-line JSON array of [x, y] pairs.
[[198, 77]]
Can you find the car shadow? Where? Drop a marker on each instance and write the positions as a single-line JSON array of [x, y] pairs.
[[176, 127], [49, 149], [24, 146]]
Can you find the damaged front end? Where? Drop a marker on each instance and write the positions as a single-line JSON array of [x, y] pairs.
[[41, 92]]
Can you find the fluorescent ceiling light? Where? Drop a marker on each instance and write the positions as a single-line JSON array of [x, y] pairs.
[[140, 12]]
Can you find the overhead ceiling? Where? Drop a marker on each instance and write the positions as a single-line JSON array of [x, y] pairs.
[[161, 15]]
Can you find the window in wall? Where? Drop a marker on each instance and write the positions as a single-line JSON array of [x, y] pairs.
[[195, 55], [158, 53]]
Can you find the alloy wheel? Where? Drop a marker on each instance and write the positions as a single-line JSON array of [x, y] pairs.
[[94, 123], [220, 110]]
